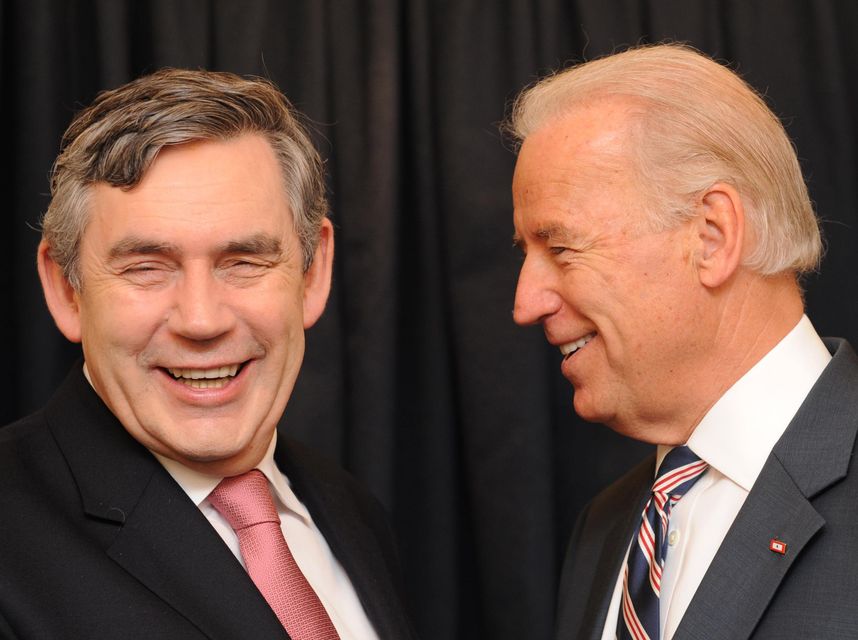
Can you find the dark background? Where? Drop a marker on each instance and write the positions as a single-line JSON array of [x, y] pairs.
[[416, 379]]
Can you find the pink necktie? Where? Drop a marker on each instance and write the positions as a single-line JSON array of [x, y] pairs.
[[245, 502]]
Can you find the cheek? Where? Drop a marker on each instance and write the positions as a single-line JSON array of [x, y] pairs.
[[636, 322], [123, 322], [275, 320], [665, 337]]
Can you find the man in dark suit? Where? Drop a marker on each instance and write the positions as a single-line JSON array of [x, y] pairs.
[[187, 248], [665, 223]]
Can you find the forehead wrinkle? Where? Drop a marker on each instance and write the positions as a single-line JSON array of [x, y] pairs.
[[570, 154], [563, 185]]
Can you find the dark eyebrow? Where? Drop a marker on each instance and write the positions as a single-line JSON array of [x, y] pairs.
[[257, 244], [134, 246]]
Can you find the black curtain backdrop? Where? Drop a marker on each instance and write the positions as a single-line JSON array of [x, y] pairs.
[[416, 379]]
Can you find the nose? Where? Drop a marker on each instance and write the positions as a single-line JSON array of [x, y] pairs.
[[535, 296], [200, 310]]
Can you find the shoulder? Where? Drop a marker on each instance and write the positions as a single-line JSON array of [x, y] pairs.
[[26, 446], [609, 512], [825, 427], [604, 521], [616, 505], [304, 464], [22, 430], [322, 484], [596, 548], [843, 367], [623, 494], [35, 485]]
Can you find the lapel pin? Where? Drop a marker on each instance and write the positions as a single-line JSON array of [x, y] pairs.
[[778, 546]]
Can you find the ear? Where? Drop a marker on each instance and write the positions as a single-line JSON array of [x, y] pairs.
[[720, 234], [317, 279], [63, 301]]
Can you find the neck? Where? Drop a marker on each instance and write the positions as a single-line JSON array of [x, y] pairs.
[[748, 320]]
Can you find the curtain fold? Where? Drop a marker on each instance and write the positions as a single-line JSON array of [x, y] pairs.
[[416, 379]]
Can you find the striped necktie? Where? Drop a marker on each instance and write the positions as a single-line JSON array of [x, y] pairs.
[[679, 470]]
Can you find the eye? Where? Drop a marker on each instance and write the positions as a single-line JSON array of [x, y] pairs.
[[145, 273], [244, 267], [143, 267], [563, 255]]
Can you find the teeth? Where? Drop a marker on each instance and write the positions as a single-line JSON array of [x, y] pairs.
[[205, 384], [211, 375], [572, 347]]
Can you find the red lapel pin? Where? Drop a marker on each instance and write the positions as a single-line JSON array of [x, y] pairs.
[[778, 546]]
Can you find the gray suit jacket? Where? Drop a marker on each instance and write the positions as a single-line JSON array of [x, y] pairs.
[[806, 496]]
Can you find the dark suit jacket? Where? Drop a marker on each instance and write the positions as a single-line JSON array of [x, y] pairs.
[[806, 496], [98, 541]]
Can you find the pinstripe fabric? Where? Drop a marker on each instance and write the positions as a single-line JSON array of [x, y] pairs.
[[639, 619]]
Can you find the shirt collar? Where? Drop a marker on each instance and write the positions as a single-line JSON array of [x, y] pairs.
[[198, 485], [739, 432]]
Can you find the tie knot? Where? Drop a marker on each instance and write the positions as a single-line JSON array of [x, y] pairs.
[[244, 500], [679, 470]]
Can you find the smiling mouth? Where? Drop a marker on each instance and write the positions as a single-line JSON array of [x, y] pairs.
[[215, 378], [571, 347]]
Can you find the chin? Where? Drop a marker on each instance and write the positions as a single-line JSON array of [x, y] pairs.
[[214, 451], [585, 409], [208, 457]]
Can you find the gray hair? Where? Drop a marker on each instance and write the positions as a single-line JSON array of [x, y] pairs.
[[699, 124], [117, 138]]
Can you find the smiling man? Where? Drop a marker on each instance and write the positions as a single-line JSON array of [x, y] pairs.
[[187, 248], [665, 223]]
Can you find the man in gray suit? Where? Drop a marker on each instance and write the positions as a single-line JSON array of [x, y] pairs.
[[665, 224]]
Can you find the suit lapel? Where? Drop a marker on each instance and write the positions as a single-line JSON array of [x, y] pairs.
[[597, 548], [814, 453], [169, 546], [162, 539], [745, 573], [352, 533], [617, 540]]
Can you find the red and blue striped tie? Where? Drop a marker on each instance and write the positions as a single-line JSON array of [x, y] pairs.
[[639, 619]]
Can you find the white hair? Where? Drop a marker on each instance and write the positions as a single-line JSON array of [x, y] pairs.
[[699, 124]]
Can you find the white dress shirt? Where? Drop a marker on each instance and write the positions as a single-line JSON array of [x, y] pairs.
[[308, 545], [735, 437]]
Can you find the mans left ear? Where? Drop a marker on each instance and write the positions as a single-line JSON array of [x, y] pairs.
[[721, 234], [317, 279]]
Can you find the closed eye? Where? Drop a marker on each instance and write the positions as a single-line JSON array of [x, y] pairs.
[[146, 273], [245, 268]]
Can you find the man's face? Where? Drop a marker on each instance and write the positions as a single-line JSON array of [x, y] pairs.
[[194, 303], [618, 300]]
